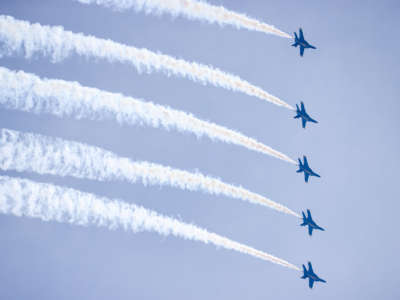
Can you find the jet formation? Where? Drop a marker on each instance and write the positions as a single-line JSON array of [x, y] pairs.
[[308, 221], [312, 277], [304, 167], [300, 41]]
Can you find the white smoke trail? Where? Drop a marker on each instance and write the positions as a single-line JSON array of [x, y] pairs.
[[30, 39], [46, 155], [192, 9], [21, 197], [27, 92]]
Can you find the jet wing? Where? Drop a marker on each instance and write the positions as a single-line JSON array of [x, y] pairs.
[[310, 229], [301, 50], [306, 175], [310, 270], [306, 162], [301, 34], [310, 283], [303, 122]]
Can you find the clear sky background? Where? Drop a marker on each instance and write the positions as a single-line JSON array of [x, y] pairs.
[[350, 84]]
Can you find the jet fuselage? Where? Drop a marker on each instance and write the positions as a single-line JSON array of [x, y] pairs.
[[303, 44], [305, 116], [313, 276]]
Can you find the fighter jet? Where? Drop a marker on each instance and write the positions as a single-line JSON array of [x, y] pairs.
[[301, 113], [308, 221], [301, 42], [310, 275], [303, 167]]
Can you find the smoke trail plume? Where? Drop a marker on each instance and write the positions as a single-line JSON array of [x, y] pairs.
[[192, 9], [27, 92], [21, 197], [46, 155], [30, 39]]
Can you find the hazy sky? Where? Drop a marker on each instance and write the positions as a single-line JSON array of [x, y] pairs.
[[349, 84]]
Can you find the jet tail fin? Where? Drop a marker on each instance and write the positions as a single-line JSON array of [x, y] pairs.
[[304, 272], [304, 219], [300, 167], [298, 115]]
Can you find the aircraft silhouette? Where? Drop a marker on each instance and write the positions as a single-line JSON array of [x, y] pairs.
[[308, 221], [301, 113], [300, 41], [312, 277], [304, 167]]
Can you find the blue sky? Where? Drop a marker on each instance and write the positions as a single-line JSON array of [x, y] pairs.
[[349, 84]]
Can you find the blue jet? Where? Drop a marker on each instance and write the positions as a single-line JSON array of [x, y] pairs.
[[301, 42], [301, 113], [308, 221], [303, 167], [310, 275]]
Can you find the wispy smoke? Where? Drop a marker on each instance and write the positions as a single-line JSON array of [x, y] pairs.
[[192, 9], [27, 92], [45, 155], [21, 197], [29, 39]]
